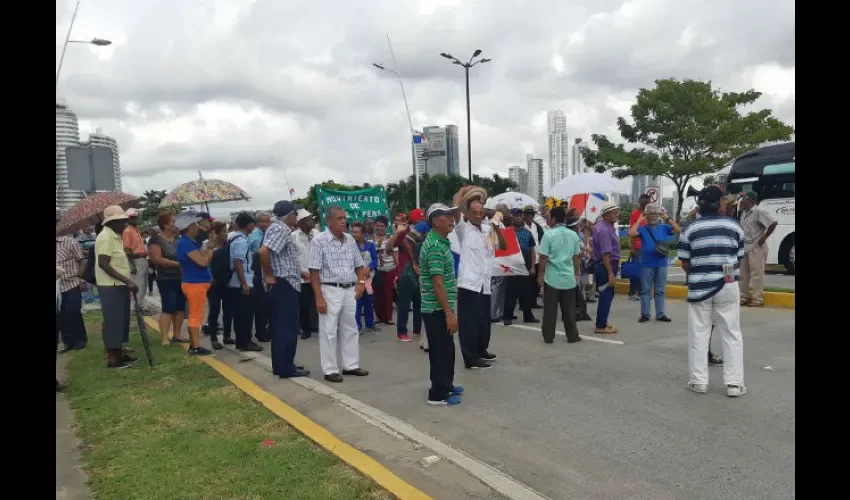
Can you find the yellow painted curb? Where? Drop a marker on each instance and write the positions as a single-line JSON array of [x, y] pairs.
[[316, 433], [780, 300]]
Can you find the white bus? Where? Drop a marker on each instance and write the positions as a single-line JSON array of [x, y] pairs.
[[770, 172]]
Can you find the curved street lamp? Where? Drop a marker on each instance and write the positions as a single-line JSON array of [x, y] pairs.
[[100, 42], [466, 66]]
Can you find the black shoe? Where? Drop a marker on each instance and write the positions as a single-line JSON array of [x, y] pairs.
[[200, 351], [229, 341], [216, 344], [714, 360], [583, 317], [495, 320], [643, 319], [357, 372], [128, 358], [301, 367], [121, 365], [573, 341], [250, 347], [306, 335], [178, 340], [479, 365], [663, 319], [537, 306], [334, 377], [298, 373], [263, 339], [508, 322], [548, 341], [531, 320], [489, 356]]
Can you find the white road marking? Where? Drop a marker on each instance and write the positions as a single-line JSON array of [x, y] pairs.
[[584, 337], [494, 478]]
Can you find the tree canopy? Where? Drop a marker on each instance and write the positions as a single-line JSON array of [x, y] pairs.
[[685, 129]]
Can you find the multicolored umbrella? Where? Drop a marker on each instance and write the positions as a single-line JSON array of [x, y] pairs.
[[203, 191], [89, 211]]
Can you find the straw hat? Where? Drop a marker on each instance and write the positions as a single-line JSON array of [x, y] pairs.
[[113, 212]]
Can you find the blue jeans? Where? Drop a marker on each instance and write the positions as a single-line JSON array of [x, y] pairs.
[[284, 327], [653, 277], [408, 294], [606, 297], [364, 308]]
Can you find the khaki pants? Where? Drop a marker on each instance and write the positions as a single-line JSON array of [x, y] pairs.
[[752, 275]]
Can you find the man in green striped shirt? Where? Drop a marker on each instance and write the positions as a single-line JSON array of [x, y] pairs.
[[439, 292]]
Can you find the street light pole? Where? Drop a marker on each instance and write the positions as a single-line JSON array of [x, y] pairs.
[[94, 41], [466, 66]]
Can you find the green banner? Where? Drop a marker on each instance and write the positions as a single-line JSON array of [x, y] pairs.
[[359, 205]]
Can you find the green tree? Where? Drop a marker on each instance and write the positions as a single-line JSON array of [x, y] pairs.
[[626, 210], [685, 129], [150, 206]]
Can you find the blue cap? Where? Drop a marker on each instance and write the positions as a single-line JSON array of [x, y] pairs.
[[284, 208]]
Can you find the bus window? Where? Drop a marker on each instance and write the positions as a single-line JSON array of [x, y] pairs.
[[771, 189]]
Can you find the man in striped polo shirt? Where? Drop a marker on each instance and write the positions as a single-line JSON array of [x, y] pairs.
[[710, 250], [439, 292]]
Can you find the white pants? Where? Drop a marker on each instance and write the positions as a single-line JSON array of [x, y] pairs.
[[339, 340], [141, 279], [724, 311]]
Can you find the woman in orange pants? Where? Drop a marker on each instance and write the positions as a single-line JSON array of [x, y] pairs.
[[194, 262]]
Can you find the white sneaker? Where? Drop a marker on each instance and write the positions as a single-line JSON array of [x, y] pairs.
[[698, 388], [735, 391]]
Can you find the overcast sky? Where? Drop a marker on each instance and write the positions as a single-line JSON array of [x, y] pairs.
[[243, 89]]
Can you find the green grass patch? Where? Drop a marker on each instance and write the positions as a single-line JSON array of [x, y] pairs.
[[181, 431]]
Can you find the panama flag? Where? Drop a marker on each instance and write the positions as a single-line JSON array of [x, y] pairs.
[[588, 205], [509, 262]]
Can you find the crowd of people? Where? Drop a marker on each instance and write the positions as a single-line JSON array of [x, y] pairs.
[[276, 277]]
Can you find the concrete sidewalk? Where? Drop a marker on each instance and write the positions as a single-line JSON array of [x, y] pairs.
[[70, 477]]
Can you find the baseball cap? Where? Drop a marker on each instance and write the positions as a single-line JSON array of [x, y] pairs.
[[516, 211], [751, 195], [416, 215], [302, 214], [709, 194], [186, 219], [438, 209], [284, 208]]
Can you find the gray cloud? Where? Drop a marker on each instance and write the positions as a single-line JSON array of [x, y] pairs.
[[224, 88]]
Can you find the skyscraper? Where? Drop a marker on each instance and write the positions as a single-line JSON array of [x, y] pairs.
[[519, 175], [535, 178], [557, 146], [100, 139], [442, 150], [67, 134], [418, 153], [577, 165]]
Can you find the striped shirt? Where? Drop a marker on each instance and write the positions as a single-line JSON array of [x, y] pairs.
[[335, 260], [435, 258], [708, 244], [69, 257], [283, 254]]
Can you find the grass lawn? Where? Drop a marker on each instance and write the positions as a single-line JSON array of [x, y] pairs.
[[181, 431]]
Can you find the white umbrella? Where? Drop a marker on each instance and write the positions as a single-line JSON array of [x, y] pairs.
[[513, 199], [582, 183]]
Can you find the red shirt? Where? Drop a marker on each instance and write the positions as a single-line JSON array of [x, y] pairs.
[[400, 243], [632, 219]]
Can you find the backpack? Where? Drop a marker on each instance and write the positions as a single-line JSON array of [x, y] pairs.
[[88, 273], [220, 265]]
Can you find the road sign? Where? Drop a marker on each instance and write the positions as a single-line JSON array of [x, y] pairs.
[[654, 193]]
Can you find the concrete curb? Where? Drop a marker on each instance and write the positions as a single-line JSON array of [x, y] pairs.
[[779, 300]]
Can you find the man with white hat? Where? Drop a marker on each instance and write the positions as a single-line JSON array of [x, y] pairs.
[[115, 284], [307, 315], [134, 245], [606, 254]]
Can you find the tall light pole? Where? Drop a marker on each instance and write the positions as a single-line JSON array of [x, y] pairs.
[[466, 66], [407, 109]]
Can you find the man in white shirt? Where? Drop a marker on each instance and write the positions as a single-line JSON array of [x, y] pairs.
[[477, 253], [537, 226], [302, 236]]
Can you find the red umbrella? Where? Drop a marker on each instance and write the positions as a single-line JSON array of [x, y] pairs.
[[89, 211]]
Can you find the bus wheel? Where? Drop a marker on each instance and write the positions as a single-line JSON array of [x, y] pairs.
[[787, 254]]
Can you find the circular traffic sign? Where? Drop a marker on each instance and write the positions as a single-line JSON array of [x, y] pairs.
[[653, 195]]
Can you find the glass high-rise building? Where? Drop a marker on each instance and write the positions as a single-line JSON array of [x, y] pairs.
[[558, 146]]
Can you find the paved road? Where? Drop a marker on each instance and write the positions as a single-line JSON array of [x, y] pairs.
[[772, 279], [599, 421]]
